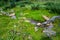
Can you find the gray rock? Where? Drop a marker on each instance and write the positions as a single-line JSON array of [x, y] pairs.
[[49, 32], [51, 20], [13, 17]]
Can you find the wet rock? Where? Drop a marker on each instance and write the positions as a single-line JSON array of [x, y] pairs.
[[55, 17], [49, 33], [52, 19]]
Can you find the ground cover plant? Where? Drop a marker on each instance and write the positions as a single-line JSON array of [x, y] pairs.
[[19, 29]]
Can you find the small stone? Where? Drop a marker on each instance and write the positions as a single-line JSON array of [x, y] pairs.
[[38, 24], [12, 14], [45, 17], [13, 17], [3, 12]]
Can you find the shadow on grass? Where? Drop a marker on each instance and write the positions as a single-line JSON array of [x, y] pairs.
[[45, 38]]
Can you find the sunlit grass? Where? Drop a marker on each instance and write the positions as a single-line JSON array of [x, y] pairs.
[[7, 24]]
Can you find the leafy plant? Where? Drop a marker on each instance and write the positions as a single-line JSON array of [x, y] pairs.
[[53, 7], [35, 6]]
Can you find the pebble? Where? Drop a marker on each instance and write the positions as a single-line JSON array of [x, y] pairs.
[[38, 24], [45, 17], [12, 14], [13, 17]]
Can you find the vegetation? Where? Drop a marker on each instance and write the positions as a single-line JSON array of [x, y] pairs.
[[53, 7], [18, 29]]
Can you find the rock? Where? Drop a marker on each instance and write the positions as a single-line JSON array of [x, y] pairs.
[[49, 33], [3, 12], [13, 17], [12, 14], [54, 17], [38, 24], [45, 17]]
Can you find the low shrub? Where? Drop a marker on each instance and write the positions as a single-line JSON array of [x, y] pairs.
[[35, 6], [53, 7], [11, 5]]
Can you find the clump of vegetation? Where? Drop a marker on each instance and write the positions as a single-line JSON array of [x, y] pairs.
[[20, 28], [35, 6], [53, 7], [12, 5], [23, 3]]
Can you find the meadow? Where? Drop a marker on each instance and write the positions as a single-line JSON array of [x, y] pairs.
[[18, 29]]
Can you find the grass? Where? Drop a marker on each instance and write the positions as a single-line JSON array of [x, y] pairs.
[[7, 24]]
